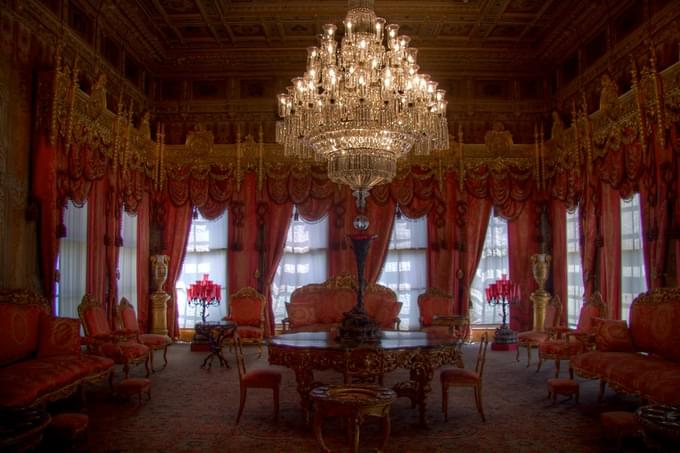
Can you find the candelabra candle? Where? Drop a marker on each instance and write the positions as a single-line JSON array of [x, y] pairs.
[[502, 292], [204, 293]]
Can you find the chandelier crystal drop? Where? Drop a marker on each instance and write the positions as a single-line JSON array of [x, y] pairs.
[[362, 104]]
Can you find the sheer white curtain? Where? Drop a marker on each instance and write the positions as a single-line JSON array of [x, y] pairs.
[[575, 288], [127, 260], [405, 268], [206, 254], [72, 262], [493, 264], [633, 281], [304, 261]]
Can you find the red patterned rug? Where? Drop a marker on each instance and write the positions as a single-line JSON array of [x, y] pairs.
[[192, 409]]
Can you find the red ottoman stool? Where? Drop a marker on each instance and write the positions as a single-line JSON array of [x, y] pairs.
[[67, 429], [566, 387], [619, 425], [134, 386]]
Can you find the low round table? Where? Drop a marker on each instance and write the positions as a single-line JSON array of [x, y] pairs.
[[216, 333], [22, 429], [660, 424], [355, 403]]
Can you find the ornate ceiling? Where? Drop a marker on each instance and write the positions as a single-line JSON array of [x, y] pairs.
[[454, 36]]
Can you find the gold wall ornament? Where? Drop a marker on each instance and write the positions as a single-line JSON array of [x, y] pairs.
[[57, 88], [498, 140], [658, 98], [71, 105], [639, 100], [200, 141], [260, 156]]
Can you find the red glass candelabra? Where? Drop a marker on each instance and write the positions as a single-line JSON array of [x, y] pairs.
[[503, 292], [204, 293]]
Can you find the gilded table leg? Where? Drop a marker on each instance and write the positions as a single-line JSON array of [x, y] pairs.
[[423, 387], [318, 419], [304, 377]]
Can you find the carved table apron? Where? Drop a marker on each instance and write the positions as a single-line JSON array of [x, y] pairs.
[[419, 352]]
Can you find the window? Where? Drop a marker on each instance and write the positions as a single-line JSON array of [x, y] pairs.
[[492, 265], [575, 287], [633, 281], [72, 261], [206, 254], [405, 268], [127, 260], [304, 261]]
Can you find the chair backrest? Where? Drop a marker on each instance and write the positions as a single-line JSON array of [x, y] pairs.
[[553, 313], [93, 316], [434, 302], [240, 360], [127, 315], [593, 308], [246, 307], [481, 355]]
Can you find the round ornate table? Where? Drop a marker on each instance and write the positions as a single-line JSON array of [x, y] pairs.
[[216, 333], [419, 352]]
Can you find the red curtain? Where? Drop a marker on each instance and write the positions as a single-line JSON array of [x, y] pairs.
[[476, 213], [589, 236], [242, 257], [44, 188], [96, 283], [113, 242], [558, 226], [176, 227], [275, 219], [143, 228], [522, 243], [443, 261], [610, 271]]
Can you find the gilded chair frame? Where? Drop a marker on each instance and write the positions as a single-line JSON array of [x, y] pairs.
[[587, 339], [528, 343], [477, 386], [248, 292], [126, 305], [96, 342]]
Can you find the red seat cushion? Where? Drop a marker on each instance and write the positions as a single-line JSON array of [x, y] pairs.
[[124, 351], [458, 376], [250, 332], [68, 425], [594, 363], [22, 383], [562, 349], [562, 386], [153, 339], [263, 377], [630, 374], [133, 386], [663, 387]]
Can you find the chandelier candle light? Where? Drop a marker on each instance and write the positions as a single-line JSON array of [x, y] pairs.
[[362, 104], [503, 292], [204, 293]]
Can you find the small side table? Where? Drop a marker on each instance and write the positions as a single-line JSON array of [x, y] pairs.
[[354, 402], [660, 424], [22, 429], [216, 333]]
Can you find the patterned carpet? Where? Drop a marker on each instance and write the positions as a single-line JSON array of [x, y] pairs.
[[193, 409]]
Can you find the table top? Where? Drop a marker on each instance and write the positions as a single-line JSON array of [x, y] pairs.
[[389, 340]]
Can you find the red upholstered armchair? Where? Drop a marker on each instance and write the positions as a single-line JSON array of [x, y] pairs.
[[566, 342], [129, 324], [120, 346], [246, 308], [436, 315], [534, 338]]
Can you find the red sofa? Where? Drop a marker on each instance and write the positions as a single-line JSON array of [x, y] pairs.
[[40, 356], [320, 306], [644, 358]]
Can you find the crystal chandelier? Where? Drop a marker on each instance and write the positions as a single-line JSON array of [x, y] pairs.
[[362, 105]]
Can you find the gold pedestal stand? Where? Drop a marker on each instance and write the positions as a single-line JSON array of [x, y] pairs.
[[159, 313], [540, 264]]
